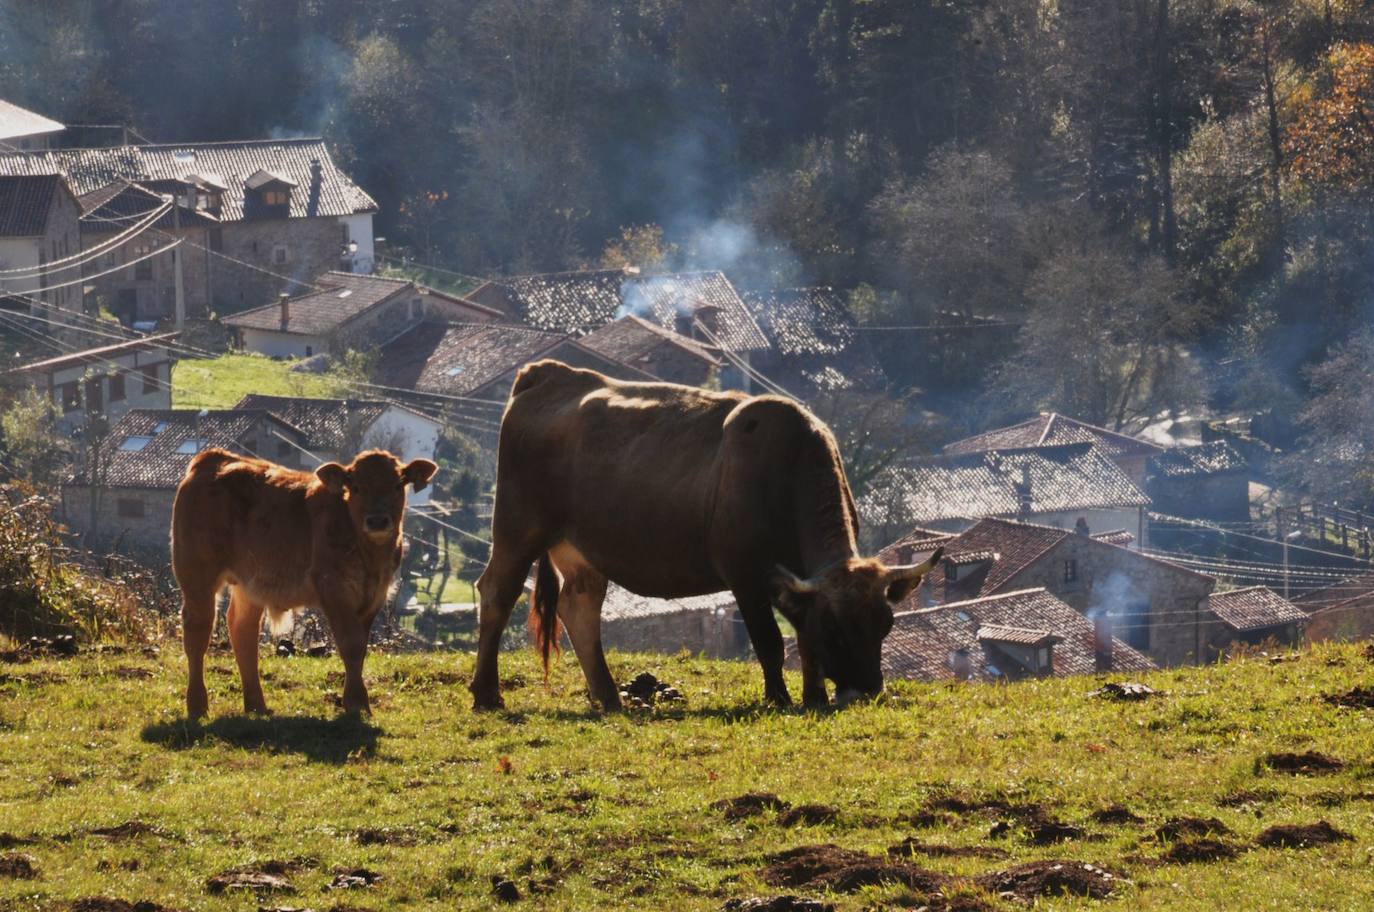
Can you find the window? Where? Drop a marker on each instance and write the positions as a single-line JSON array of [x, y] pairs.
[[280, 254], [191, 446], [1042, 658], [71, 397], [276, 197], [1070, 571], [135, 444], [144, 269], [309, 350], [129, 508], [150, 378], [117, 387]]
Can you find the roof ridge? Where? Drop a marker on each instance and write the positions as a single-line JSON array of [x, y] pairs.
[[295, 140]]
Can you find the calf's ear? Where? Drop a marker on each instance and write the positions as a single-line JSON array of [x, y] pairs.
[[333, 475], [418, 472]]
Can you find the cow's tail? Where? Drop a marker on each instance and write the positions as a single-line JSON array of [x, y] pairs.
[[544, 627]]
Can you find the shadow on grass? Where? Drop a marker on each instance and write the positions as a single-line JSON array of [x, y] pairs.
[[322, 740], [664, 713]]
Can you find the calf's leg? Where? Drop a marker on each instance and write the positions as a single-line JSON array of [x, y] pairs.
[[350, 638], [579, 607], [245, 629], [197, 625], [757, 611]]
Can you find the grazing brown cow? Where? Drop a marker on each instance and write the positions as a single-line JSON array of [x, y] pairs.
[[671, 491], [284, 540]]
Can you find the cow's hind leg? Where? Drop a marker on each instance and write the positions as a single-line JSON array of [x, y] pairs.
[[757, 611], [579, 607], [197, 625], [245, 630], [500, 586]]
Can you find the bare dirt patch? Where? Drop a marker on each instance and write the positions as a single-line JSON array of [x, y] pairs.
[[777, 904], [1242, 797], [1301, 836], [1026, 882], [808, 815], [1130, 691], [1356, 698], [260, 877], [829, 867], [392, 836], [1115, 815], [353, 878], [133, 829], [1176, 828], [106, 904], [1190, 851], [750, 804], [504, 889], [9, 840], [1308, 763], [913, 846], [17, 866]]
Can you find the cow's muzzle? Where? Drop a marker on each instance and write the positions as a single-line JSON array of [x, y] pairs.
[[854, 695], [377, 522]]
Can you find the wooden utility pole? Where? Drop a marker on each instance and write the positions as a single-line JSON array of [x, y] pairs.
[[176, 264], [1283, 540]]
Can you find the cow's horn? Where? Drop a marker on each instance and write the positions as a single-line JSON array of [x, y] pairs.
[[797, 584], [914, 571]]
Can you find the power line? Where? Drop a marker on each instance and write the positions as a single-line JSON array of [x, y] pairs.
[[93, 252], [158, 252], [1202, 525]]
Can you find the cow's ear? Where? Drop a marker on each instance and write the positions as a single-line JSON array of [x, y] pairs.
[[792, 596], [418, 472], [333, 475]]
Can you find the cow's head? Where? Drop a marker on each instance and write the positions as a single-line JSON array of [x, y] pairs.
[[844, 613], [374, 488]]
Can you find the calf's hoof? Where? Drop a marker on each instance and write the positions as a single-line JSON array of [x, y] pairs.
[[256, 709], [197, 705]]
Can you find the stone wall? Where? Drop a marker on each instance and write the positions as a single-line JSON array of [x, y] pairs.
[[1351, 621], [1220, 497], [717, 635], [146, 536], [676, 365]]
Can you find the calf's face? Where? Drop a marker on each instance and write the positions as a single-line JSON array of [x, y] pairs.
[[844, 614], [374, 488]]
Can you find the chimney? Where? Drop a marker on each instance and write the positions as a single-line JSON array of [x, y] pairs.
[[1023, 492], [316, 175], [961, 664], [1102, 641], [1081, 526], [708, 315], [284, 300]]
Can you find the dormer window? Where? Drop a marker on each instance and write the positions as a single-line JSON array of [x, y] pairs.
[[276, 197], [268, 194]]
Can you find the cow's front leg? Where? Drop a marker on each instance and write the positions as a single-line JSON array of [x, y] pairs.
[[813, 681], [757, 611]]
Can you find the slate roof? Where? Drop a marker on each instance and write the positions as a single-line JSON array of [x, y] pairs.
[[17, 122], [1253, 608], [815, 341], [114, 208], [622, 604], [579, 302], [1049, 429], [324, 422], [25, 202], [459, 358], [1019, 636], [100, 355], [158, 464], [630, 338], [1196, 461], [1065, 477], [921, 642], [344, 296], [230, 162]]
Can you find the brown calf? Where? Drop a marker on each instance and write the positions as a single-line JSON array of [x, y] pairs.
[[283, 540]]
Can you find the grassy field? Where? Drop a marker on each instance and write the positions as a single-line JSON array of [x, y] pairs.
[[222, 382], [579, 810]]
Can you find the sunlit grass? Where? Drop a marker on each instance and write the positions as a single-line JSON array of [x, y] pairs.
[[221, 382]]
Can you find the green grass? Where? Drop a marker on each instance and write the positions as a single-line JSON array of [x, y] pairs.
[[221, 382], [616, 807]]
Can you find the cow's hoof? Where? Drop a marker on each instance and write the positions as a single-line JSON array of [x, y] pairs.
[[780, 699], [487, 702], [816, 700]]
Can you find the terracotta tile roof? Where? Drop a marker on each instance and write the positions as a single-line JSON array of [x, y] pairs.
[[151, 448], [343, 297], [230, 162], [458, 358], [578, 302], [25, 202], [1194, 461], [17, 122], [1065, 477], [630, 338], [1049, 429], [97, 355], [1253, 608], [326, 423], [921, 642], [1119, 537], [816, 341], [1019, 636], [622, 604]]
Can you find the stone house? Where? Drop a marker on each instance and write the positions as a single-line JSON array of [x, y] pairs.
[[816, 348], [1156, 607], [703, 306], [1130, 454], [1344, 611], [1208, 481], [121, 495], [39, 225], [109, 380], [347, 311], [271, 215], [336, 430], [651, 348], [1252, 615], [1050, 485], [1026, 633], [22, 130], [479, 360]]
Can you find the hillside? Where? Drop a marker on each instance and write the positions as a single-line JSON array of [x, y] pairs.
[[589, 811]]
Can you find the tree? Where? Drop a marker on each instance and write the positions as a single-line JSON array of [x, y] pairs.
[[29, 444], [1338, 461]]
